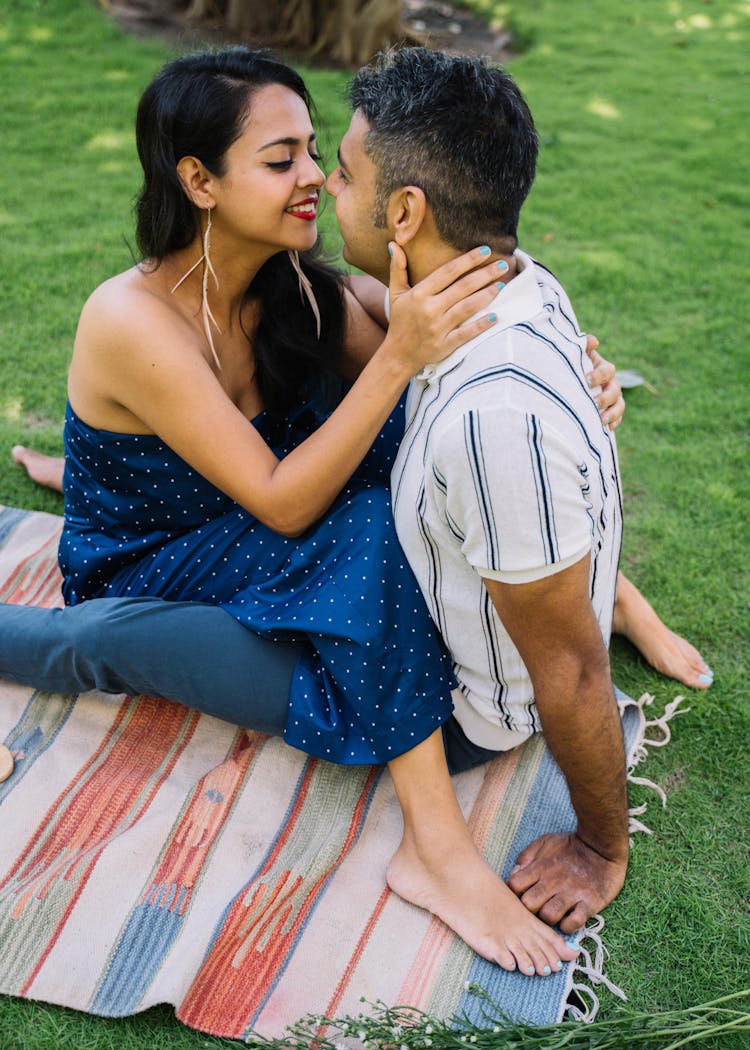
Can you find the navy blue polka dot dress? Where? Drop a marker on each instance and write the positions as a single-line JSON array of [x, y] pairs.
[[374, 681]]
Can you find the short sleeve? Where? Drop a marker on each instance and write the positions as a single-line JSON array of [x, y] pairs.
[[515, 494]]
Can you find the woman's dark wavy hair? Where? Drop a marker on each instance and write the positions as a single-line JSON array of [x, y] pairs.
[[197, 106]]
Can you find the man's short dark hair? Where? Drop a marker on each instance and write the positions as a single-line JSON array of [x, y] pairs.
[[459, 129]]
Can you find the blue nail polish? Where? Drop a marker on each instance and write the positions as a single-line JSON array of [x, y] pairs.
[[530, 970], [705, 679], [484, 250], [709, 671], [547, 970], [492, 318], [501, 285], [502, 265], [588, 380], [390, 251], [559, 964]]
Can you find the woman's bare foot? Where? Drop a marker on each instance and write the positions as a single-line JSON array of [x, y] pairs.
[[44, 470], [455, 883], [666, 651], [438, 867]]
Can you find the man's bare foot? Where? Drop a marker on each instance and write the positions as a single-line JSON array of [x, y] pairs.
[[44, 470], [455, 883], [667, 652]]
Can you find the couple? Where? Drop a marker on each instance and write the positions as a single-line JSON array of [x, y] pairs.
[[212, 459]]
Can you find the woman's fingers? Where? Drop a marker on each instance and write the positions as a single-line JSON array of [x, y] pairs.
[[427, 321], [464, 274], [609, 398], [592, 344]]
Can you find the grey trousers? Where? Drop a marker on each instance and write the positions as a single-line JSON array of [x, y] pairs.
[[191, 652]]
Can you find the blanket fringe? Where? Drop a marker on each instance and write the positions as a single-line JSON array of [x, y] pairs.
[[588, 973], [642, 744]]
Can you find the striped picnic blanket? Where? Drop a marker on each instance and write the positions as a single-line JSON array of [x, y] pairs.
[[150, 854]]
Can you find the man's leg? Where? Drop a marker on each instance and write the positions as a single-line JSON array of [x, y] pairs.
[[191, 652], [460, 752], [438, 867]]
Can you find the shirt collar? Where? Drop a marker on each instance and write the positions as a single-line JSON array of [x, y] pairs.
[[520, 300]]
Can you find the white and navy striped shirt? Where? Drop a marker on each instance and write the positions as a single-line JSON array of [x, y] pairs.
[[506, 472]]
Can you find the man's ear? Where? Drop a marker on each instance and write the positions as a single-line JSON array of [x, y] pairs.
[[407, 210], [196, 181]]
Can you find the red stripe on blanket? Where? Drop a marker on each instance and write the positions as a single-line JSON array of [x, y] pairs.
[[36, 580], [261, 929], [182, 861], [110, 793]]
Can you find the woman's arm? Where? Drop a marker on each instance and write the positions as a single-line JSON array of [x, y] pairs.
[[363, 334], [138, 358], [370, 294]]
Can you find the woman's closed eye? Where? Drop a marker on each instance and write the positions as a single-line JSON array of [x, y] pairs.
[[285, 165]]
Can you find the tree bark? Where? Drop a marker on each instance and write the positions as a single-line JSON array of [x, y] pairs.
[[346, 32]]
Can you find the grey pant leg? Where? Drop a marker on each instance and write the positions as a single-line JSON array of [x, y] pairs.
[[191, 652]]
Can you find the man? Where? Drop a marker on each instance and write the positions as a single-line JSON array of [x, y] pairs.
[[506, 492]]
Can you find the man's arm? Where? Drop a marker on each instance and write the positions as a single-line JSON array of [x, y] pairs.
[[566, 879]]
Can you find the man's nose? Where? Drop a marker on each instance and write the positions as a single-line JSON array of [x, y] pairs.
[[331, 184]]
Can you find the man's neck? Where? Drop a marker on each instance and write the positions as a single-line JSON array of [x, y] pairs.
[[424, 258]]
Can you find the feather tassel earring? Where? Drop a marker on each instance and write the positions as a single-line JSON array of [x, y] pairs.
[[305, 288], [208, 317]]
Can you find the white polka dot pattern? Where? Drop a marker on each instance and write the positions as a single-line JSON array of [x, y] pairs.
[[140, 521]]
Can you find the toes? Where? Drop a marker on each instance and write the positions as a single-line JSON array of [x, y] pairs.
[[540, 953], [507, 960], [524, 962]]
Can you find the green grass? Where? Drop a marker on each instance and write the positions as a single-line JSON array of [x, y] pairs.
[[641, 207]]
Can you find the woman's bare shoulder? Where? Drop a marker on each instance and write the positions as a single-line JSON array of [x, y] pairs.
[[130, 308], [122, 297]]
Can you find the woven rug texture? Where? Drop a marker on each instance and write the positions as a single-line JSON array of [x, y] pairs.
[[150, 854]]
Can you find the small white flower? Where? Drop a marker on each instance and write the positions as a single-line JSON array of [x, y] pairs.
[[429, 1029]]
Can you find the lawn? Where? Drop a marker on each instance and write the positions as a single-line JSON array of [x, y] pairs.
[[641, 207]]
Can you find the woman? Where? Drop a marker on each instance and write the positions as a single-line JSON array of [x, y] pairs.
[[204, 463]]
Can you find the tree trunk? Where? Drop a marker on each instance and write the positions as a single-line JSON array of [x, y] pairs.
[[344, 32]]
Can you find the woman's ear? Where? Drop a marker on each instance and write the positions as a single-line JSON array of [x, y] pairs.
[[196, 181], [407, 210]]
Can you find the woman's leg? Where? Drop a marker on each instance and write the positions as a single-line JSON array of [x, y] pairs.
[[438, 867], [44, 470], [196, 654], [666, 651]]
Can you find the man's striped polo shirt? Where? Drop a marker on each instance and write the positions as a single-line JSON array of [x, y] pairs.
[[506, 472]]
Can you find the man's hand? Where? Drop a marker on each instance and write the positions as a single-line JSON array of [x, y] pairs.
[[552, 624], [564, 881]]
